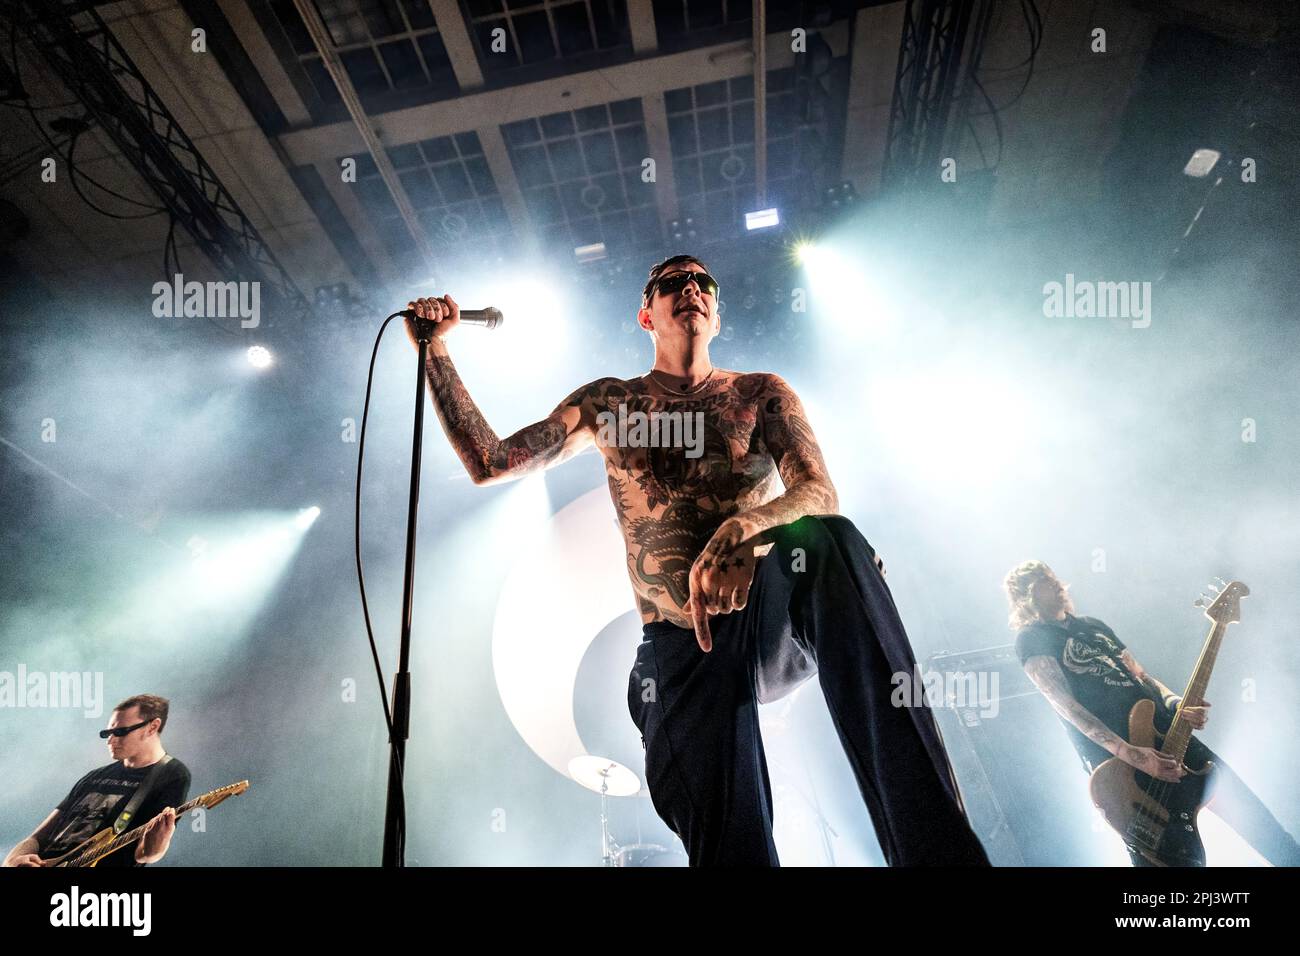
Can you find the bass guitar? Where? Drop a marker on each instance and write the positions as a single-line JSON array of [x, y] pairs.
[[1156, 818]]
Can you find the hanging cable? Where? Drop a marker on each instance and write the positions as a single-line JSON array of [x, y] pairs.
[[73, 172], [361, 583]]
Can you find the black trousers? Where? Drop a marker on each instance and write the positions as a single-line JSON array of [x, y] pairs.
[[817, 602]]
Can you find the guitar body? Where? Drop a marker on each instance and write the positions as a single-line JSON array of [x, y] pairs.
[[96, 845], [1155, 818]]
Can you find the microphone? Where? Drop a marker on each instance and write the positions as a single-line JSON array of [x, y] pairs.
[[488, 318]]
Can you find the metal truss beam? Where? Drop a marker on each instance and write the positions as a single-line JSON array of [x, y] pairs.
[[929, 58], [82, 50]]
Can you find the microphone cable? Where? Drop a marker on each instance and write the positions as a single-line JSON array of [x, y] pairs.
[[361, 582]]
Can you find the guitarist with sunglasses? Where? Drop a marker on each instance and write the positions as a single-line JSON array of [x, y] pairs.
[[747, 579], [103, 797], [1092, 681]]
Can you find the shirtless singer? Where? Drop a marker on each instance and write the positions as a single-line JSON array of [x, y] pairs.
[[744, 591]]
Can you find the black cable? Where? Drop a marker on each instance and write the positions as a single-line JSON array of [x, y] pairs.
[[168, 270], [356, 524], [997, 122], [1035, 42], [26, 100], [154, 208], [172, 266], [1034, 26], [17, 164], [48, 106], [361, 582], [978, 145], [1035, 36], [73, 172]]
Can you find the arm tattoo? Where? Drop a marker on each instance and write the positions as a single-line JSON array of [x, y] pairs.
[[484, 455], [794, 448], [1046, 673]]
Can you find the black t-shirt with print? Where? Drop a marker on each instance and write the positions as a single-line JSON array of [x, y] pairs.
[[1088, 652], [98, 797]]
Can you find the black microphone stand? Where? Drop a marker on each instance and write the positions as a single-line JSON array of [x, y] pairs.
[[395, 814]]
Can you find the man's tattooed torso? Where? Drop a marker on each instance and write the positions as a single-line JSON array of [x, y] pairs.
[[668, 504]]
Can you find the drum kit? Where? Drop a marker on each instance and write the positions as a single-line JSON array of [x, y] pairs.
[[609, 778]]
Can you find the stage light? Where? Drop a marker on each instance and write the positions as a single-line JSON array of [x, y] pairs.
[[682, 229], [592, 253], [259, 356], [237, 561], [530, 349], [537, 312], [762, 219], [1202, 163], [307, 517], [843, 194], [843, 298]]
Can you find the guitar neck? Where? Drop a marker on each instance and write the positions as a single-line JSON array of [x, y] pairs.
[[1180, 732], [126, 839]]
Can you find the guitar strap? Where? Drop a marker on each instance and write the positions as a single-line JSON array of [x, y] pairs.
[[146, 787]]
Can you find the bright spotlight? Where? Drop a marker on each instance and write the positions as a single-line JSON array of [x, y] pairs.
[[238, 562], [538, 316], [259, 356], [841, 293], [1202, 163], [762, 219], [591, 253], [306, 517]]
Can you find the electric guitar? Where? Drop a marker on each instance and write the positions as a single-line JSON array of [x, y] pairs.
[[1156, 818], [95, 848]]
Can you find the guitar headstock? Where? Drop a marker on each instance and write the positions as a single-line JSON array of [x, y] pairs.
[[1223, 603], [213, 797]]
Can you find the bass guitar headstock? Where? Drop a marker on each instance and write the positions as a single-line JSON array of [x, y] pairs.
[[1223, 603]]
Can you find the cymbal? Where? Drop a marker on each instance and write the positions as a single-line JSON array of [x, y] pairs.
[[592, 771]]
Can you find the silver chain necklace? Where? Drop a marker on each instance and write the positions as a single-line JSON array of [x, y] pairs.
[[685, 390]]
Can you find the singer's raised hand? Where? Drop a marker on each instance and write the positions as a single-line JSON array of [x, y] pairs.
[[443, 312]]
